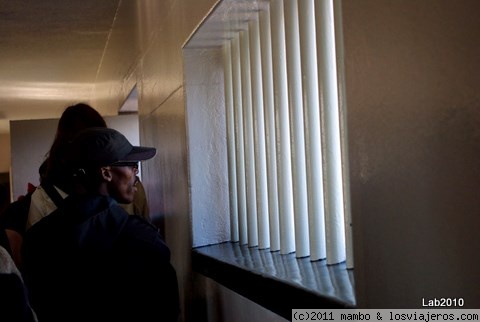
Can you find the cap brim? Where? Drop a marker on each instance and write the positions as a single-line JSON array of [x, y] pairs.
[[140, 153]]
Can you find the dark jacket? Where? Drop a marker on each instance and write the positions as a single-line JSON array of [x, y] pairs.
[[14, 304], [13, 300], [91, 261]]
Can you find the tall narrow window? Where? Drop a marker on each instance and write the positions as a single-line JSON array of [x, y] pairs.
[[284, 132], [266, 129]]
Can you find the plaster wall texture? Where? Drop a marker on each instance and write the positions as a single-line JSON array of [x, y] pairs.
[[413, 122]]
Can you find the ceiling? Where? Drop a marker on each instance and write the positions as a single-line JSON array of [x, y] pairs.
[[50, 53]]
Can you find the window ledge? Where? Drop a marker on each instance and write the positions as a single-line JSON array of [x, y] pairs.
[[280, 283]]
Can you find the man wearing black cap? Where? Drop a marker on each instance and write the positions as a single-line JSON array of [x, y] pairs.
[[89, 260]]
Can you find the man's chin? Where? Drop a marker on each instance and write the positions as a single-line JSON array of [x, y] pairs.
[[125, 200]]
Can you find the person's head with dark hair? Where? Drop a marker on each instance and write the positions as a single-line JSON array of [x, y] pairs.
[[103, 161], [74, 119], [42, 170]]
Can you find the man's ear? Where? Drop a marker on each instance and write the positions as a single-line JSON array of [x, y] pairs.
[[106, 173]]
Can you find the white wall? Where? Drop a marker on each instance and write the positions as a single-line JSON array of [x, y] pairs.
[[30, 141], [207, 146]]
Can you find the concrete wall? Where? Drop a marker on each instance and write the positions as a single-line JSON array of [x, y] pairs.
[[207, 146], [414, 137]]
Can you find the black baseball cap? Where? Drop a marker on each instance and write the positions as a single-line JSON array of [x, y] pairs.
[[99, 146]]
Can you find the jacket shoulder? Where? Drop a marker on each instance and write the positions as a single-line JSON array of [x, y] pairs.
[[141, 233]]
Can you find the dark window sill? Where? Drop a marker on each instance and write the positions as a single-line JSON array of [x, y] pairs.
[[279, 283]]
